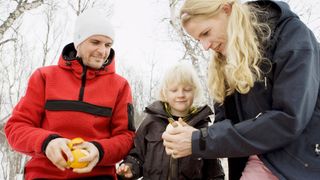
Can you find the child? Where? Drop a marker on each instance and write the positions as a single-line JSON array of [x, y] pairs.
[[179, 92]]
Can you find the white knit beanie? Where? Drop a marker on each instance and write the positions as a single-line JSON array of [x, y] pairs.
[[91, 22]]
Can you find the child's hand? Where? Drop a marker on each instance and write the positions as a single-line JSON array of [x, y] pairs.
[[125, 170], [181, 122], [174, 124]]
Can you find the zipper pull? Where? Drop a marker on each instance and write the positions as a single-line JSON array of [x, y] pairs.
[[260, 113], [317, 149], [265, 83]]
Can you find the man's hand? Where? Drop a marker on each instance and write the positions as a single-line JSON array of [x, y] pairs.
[[92, 157], [56, 150]]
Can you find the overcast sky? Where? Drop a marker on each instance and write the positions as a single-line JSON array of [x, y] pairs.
[[142, 34]]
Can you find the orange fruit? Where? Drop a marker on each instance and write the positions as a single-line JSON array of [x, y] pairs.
[[77, 154]]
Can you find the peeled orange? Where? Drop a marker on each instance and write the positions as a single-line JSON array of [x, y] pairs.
[[77, 154]]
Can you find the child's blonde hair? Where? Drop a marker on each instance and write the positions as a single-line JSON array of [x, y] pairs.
[[182, 73]]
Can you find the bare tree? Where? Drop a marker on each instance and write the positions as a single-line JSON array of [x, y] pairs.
[[21, 7], [138, 94], [14, 74], [153, 81], [7, 40], [137, 85], [53, 34], [79, 6]]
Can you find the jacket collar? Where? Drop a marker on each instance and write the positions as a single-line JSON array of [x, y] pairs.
[[157, 108]]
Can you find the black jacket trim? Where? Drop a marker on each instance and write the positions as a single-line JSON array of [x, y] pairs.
[[131, 125], [136, 170], [70, 105], [204, 134], [47, 141], [100, 149]]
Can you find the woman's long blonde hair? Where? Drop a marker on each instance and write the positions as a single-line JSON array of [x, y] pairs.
[[239, 69]]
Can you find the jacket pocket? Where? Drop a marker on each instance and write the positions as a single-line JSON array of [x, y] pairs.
[[155, 158], [307, 155], [191, 168]]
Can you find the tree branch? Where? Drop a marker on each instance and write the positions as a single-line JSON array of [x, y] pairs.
[[20, 9], [5, 41]]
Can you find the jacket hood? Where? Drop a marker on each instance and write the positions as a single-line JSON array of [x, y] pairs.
[[278, 13], [282, 7], [69, 61], [157, 109], [285, 11]]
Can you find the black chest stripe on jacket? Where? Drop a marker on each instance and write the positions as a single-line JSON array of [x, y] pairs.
[[69, 105]]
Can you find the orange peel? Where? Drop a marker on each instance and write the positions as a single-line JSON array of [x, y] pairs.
[[75, 141]]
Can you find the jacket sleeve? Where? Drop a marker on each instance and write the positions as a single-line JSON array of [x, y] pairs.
[[137, 154], [122, 129], [294, 97], [23, 129]]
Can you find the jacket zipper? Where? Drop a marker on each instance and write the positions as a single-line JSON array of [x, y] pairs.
[[238, 110], [83, 82], [173, 171]]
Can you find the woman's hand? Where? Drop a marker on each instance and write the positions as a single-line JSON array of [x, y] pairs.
[[177, 140], [55, 152], [92, 157], [125, 170]]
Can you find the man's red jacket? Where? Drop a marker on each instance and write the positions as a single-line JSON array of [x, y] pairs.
[[70, 100]]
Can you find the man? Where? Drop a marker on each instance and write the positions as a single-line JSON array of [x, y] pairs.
[[81, 97]]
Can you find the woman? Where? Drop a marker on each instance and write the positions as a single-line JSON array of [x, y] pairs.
[[264, 77], [80, 97], [180, 95]]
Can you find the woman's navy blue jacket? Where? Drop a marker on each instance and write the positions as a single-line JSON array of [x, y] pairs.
[[279, 119]]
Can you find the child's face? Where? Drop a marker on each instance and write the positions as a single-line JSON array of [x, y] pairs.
[[180, 98]]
